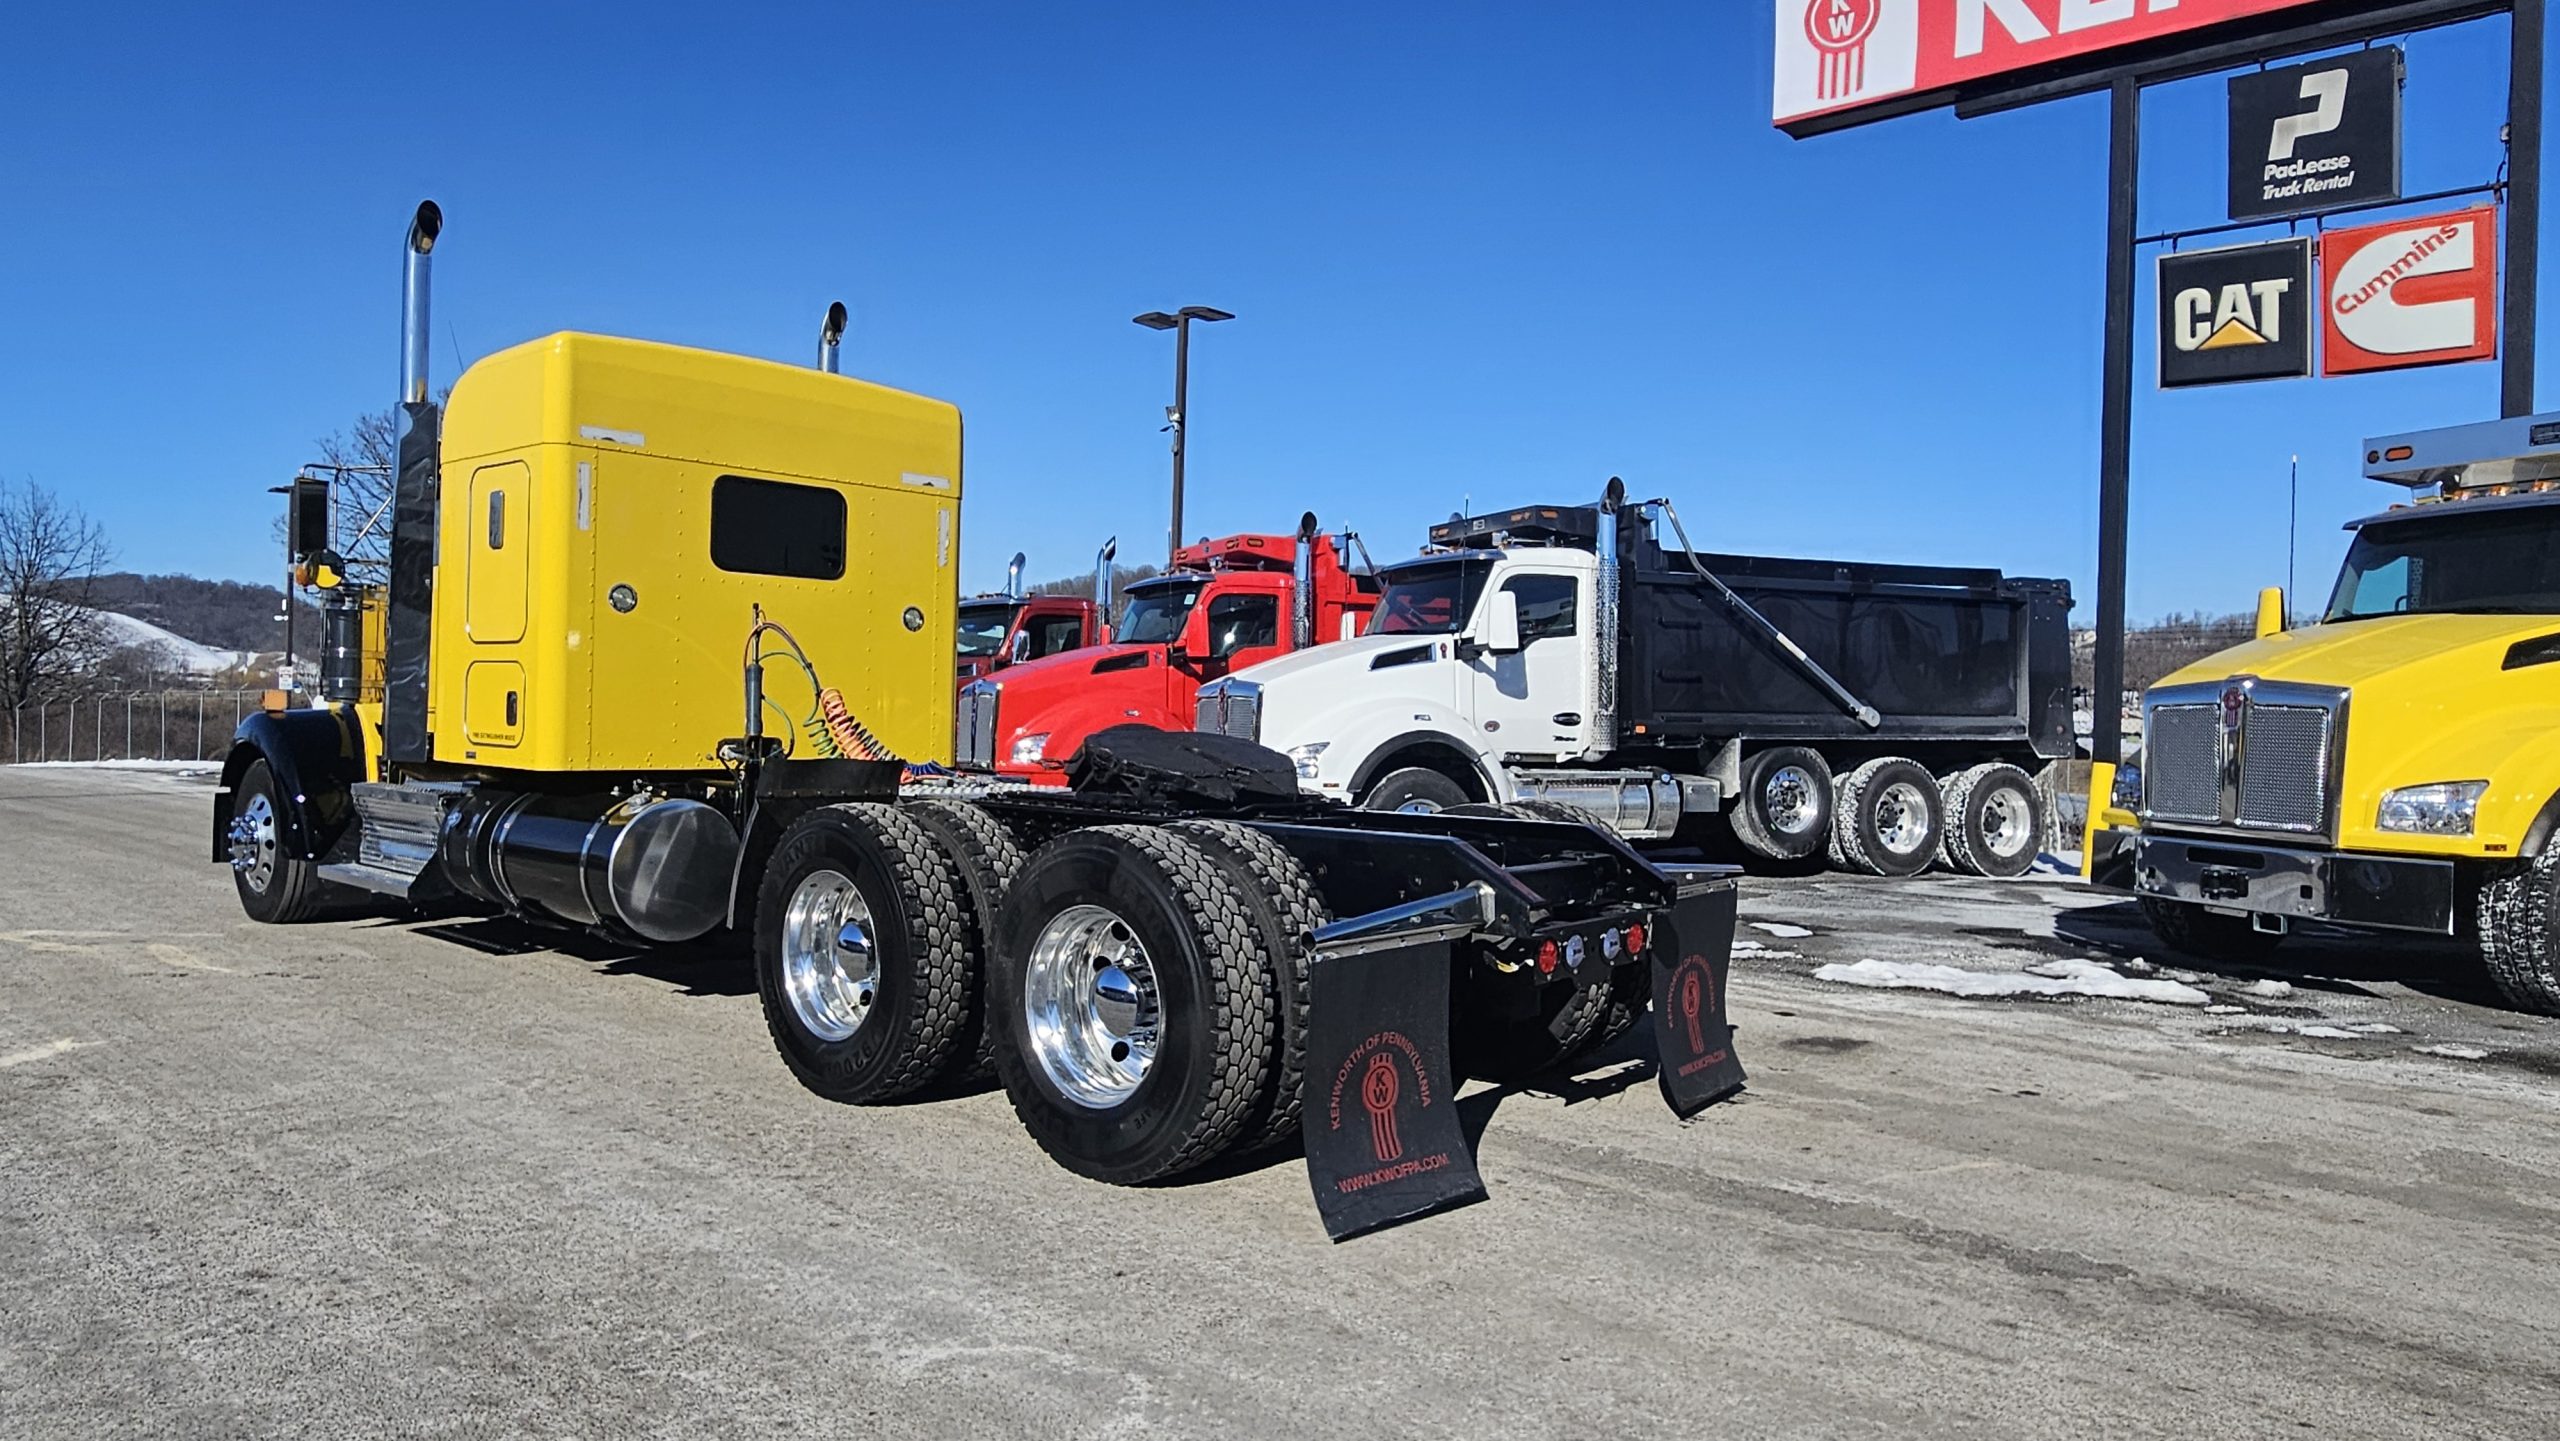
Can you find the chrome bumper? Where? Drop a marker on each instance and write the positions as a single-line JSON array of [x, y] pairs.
[[2398, 892]]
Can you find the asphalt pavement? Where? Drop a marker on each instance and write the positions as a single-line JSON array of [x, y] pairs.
[[384, 1176]]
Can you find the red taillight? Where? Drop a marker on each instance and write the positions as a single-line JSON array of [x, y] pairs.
[[1547, 959], [1635, 940]]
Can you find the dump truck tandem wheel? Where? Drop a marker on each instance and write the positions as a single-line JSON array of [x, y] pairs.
[[2208, 935], [1138, 1003], [1994, 821], [1889, 818], [275, 887], [1783, 812], [862, 953], [986, 858], [2518, 943], [1286, 904]]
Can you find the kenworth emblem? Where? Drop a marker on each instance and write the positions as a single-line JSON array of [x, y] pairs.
[[1839, 31], [2235, 704]]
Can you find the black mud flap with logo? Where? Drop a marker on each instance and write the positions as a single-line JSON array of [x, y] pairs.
[[1692, 956], [1384, 1143]]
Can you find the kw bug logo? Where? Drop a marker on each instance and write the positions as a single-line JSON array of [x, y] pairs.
[[1839, 30], [1382, 1077], [1378, 1091], [1833, 52], [2410, 292], [1693, 998]]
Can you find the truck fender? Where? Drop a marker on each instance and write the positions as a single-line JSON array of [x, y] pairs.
[[1397, 752], [2537, 837], [316, 756]]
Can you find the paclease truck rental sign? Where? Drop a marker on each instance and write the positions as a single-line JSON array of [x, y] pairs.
[[1843, 62]]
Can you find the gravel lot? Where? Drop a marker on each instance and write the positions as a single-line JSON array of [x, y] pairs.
[[381, 1176]]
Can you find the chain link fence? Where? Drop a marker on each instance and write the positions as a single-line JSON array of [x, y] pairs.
[[165, 725]]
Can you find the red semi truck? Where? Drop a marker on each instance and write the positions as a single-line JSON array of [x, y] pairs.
[[1226, 604], [1010, 628]]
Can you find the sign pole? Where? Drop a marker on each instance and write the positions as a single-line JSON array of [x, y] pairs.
[[2115, 422], [2524, 205]]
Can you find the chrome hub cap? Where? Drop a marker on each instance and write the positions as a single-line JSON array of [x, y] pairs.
[[830, 971], [1787, 799], [2005, 824], [253, 843], [1089, 995], [1902, 818], [1419, 807]]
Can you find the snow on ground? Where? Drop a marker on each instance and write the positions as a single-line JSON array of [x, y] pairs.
[[2052, 978], [175, 650], [2458, 1053], [171, 767], [1781, 930]]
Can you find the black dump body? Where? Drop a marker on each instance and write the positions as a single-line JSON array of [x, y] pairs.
[[1945, 654]]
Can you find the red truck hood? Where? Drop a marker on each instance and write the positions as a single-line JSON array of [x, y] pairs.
[[1070, 696]]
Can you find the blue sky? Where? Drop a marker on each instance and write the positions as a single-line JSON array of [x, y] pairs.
[[1495, 251]]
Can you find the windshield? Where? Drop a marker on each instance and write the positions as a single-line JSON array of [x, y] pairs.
[[983, 627], [1430, 599], [2501, 561], [1156, 613]]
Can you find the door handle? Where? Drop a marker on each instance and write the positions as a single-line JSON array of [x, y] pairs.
[[1567, 718]]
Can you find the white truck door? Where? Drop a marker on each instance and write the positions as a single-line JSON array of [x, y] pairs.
[[1529, 703]]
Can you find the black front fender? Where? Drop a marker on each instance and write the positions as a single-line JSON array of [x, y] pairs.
[[316, 756]]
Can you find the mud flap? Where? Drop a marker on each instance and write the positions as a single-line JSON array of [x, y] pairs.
[[1691, 959], [1384, 1144]]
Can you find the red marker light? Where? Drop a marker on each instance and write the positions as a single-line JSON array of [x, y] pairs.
[[1547, 959], [1635, 940]]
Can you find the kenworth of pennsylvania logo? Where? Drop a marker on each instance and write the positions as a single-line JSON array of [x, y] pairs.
[[1866, 59]]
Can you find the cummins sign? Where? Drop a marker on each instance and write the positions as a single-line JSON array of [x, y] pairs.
[[2409, 292], [1846, 62]]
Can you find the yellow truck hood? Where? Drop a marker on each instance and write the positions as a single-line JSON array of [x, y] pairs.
[[2430, 699]]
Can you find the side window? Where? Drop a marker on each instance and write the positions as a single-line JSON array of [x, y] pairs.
[[1241, 622], [1052, 634], [770, 527], [1546, 605]]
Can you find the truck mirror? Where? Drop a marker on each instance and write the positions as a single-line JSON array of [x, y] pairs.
[[1021, 646], [1502, 624], [307, 524], [2270, 612]]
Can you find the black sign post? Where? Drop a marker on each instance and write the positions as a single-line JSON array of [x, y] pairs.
[[2243, 313], [2314, 137]]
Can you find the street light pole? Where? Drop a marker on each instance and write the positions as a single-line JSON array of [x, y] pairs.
[[1178, 417]]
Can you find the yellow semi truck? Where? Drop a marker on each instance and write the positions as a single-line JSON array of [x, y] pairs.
[[664, 652], [2395, 765]]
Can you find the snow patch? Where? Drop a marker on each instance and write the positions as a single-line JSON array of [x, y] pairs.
[[2226, 1010], [1781, 930], [2268, 990], [2053, 978], [2458, 1053], [179, 768], [1753, 950]]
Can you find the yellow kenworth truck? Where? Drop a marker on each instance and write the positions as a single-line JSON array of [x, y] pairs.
[[2395, 765], [664, 652]]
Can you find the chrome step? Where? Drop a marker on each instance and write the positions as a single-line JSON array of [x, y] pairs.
[[398, 826], [371, 878]]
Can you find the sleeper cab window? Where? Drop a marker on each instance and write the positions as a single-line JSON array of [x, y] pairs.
[[772, 527]]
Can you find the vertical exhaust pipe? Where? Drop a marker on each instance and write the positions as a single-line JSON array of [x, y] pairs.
[[1604, 707], [423, 229], [1102, 582], [831, 337], [1013, 577], [1302, 586]]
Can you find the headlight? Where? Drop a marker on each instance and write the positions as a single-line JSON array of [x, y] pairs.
[[2442, 809], [1026, 751], [1304, 758], [2127, 794]]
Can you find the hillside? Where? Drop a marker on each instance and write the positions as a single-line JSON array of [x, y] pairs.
[[223, 615]]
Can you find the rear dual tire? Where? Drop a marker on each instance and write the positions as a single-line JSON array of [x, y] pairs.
[[1994, 821], [1890, 818]]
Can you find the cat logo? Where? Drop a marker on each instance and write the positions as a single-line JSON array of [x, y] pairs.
[[2237, 314]]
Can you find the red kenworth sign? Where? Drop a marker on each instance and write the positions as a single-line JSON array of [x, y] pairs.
[[1844, 62]]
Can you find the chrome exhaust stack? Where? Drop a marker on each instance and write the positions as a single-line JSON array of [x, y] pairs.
[[423, 229], [1102, 580], [1302, 586], [1013, 577], [1604, 706], [831, 337]]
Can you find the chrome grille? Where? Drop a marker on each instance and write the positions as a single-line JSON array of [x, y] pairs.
[[2284, 771], [974, 739], [2182, 763], [1232, 708], [2245, 754]]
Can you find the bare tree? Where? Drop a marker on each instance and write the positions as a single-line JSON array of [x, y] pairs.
[[360, 460], [50, 556]]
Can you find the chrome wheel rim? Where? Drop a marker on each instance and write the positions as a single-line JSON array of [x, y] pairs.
[[1418, 807], [253, 843], [830, 969], [1902, 818], [2007, 825], [1787, 800], [1095, 1015]]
